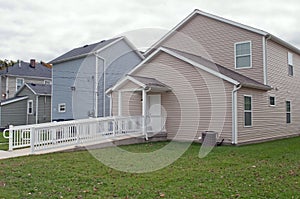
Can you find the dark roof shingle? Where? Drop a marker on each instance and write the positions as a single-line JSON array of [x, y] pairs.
[[23, 69], [243, 80], [81, 51], [40, 89]]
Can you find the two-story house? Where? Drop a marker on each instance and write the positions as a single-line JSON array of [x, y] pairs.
[[213, 74], [14, 77], [81, 76]]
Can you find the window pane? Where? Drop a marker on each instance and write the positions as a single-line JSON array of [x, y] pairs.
[[288, 106], [290, 58], [243, 49], [272, 101], [247, 103], [243, 61], [291, 70], [248, 119], [288, 118]]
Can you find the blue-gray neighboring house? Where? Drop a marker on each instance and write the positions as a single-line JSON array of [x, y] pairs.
[[30, 105], [14, 77], [81, 76]]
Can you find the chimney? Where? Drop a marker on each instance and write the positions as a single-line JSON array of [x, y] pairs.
[[32, 63]]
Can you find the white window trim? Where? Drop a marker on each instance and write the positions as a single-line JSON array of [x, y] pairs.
[[17, 82], [59, 106], [290, 112], [30, 101], [246, 111], [274, 100], [235, 56]]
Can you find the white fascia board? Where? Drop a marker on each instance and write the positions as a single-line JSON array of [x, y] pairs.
[[213, 72], [239, 25], [121, 82], [107, 46], [136, 81], [14, 100], [173, 30], [130, 44]]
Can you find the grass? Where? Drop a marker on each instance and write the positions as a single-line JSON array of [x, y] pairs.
[[3, 143], [268, 170]]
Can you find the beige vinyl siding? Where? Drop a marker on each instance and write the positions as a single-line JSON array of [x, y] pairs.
[[215, 41], [189, 104], [131, 101]]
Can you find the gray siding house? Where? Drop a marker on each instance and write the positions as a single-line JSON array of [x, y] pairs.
[[31, 105], [14, 77], [81, 76]]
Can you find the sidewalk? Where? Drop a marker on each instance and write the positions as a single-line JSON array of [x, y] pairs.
[[15, 153]]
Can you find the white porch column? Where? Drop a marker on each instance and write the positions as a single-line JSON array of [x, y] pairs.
[[119, 103], [144, 112]]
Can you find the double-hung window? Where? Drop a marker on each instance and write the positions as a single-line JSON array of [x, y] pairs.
[[62, 108], [290, 64], [247, 111], [30, 107], [243, 55], [288, 112], [19, 83]]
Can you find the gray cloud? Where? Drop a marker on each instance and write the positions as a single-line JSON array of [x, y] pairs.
[[45, 29]]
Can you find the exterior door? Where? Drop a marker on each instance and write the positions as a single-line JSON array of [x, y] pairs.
[[154, 112]]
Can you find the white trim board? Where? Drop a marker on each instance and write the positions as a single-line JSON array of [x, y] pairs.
[[13, 100], [161, 49]]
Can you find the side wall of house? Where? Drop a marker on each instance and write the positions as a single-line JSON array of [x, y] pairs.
[[73, 80], [31, 118], [215, 41], [119, 60], [12, 84], [197, 102], [44, 114], [14, 113]]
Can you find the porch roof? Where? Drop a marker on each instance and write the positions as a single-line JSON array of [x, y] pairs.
[[148, 83]]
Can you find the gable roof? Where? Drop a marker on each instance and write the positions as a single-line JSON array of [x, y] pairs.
[[147, 82], [221, 19], [12, 100], [23, 69], [90, 49], [37, 89], [203, 64], [241, 79]]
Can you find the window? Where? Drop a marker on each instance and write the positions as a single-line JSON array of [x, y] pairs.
[[243, 57], [62, 108], [288, 112], [247, 111], [290, 64], [272, 100], [47, 82], [30, 107], [19, 83]]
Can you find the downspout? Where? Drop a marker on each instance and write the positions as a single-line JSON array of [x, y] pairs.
[[36, 109], [265, 58], [6, 88], [1, 88], [96, 85], [234, 114]]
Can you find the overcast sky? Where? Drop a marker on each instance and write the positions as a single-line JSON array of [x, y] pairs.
[[45, 29]]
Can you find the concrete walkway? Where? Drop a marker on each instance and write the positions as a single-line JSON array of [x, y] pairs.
[[15, 153], [124, 140]]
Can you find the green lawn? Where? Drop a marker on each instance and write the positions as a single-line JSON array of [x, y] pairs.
[[268, 170], [3, 142]]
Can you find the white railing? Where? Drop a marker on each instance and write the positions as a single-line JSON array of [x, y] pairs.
[[61, 134]]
